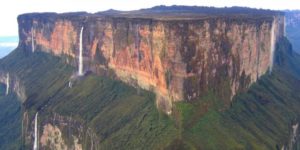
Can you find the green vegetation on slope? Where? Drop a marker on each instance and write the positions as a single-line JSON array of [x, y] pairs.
[[10, 121], [257, 119], [124, 117], [121, 116]]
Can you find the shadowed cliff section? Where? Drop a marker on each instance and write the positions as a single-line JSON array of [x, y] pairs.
[[10, 120], [264, 114], [292, 19], [177, 57]]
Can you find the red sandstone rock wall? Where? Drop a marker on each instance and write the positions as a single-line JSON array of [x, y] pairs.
[[177, 59]]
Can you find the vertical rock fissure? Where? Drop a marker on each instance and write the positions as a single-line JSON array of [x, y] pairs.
[[137, 42], [258, 48]]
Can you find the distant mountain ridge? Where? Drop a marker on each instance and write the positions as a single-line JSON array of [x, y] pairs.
[[175, 10], [208, 10]]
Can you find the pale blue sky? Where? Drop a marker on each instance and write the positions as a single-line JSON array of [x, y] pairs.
[[10, 9]]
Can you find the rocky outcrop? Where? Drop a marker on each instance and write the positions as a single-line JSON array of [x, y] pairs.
[[59, 132], [293, 140], [179, 58], [52, 138]]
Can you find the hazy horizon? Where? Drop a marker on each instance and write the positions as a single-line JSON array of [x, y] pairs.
[[7, 44]]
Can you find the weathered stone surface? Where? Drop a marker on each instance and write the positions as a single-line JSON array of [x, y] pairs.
[[178, 59], [58, 132]]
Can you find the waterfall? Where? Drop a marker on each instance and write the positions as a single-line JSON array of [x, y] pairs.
[[272, 46], [7, 83], [284, 26], [295, 128], [80, 67], [32, 40], [35, 145], [70, 84]]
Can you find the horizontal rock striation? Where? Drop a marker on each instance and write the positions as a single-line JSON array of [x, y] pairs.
[[179, 58]]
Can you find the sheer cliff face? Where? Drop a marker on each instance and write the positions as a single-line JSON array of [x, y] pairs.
[[179, 59]]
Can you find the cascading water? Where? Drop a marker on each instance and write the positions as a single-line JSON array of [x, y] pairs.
[[284, 28], [35, 144], [7, 83], [32, 40], [295, 128], [70, 84], [272, 46], [293, 138], [80, 66]]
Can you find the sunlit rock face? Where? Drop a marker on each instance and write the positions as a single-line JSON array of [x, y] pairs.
[[177, 58]]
